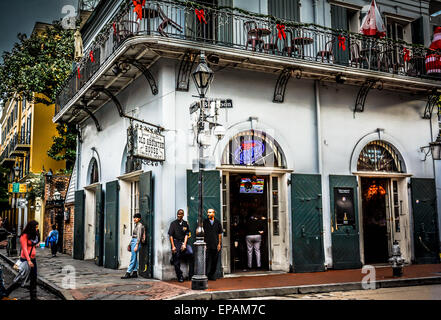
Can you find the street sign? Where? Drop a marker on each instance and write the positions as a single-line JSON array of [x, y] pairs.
[[17, 187], [226, 103]]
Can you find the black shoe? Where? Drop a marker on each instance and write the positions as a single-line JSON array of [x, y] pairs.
[[134, 274], [212, 278], [126, 276]]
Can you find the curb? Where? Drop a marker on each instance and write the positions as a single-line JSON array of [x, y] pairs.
[[62, 294], [304, 289]]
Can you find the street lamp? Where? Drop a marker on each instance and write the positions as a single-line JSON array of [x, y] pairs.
[[57, 195], [16, 174], [202, 77], [434, 148]]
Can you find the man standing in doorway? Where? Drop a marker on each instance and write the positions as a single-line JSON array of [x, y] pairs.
[[138, 237], [178, 233], [213, 239], [255, 230]]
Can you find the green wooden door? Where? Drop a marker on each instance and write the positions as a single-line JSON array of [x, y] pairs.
[[425, 220], [146, 211], [99, 226], [339, 21], [111, 226], [307, 223], [211, 199], [344, 222], [78, 247]]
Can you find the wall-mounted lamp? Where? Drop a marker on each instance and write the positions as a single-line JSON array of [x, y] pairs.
[[49, 175]]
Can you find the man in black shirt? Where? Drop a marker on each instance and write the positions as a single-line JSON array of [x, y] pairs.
[[178, 233], [213, 239]]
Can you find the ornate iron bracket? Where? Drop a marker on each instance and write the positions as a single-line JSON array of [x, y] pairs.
[[282, 82], [83, 107], [187, 63], [115, 100], [362, 94], [147, 75], [432, 101]]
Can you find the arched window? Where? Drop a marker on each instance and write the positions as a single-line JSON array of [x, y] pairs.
[[253, 148], [93, 171], [379, 155]]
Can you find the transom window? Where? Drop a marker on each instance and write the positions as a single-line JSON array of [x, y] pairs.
[[253, 148], [379, 155]]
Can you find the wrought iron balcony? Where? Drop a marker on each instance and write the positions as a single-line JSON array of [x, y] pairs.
[[23, 142], [6, 160], [241, 41]]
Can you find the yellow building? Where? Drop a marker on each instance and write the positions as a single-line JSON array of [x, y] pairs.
[[26, 136]]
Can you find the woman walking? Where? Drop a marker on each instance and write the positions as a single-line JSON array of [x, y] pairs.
[[28, 240]]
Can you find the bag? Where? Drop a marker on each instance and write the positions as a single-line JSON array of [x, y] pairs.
[[143, 237], [18, 263], [129, 248]]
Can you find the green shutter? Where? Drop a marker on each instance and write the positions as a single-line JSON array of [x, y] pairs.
[[78, 247], [111, 226], [345, 238], [339, 21], [147, 218], [307, 223], [210, 199], [99, 226], [418, 31], [284, 9], [425, 220]]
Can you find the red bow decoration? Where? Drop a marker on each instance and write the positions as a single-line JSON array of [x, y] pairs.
[[406, 54], [200, 14], [342, 42], [114, 28], [138, 8], [79, 74], [91, 56], [281, 30]]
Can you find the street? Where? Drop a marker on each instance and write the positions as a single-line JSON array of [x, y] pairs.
[[429, 292], [23, 293]]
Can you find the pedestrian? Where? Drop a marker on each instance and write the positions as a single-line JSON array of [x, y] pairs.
[[138, 237], [213, 239], [179, 233], [29, 239], [52, 240], [255, 230]]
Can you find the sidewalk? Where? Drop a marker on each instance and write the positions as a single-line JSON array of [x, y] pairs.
[[97, 283], [93, 282]]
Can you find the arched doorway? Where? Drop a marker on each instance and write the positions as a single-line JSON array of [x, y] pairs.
[[254, 202], [383, 191]]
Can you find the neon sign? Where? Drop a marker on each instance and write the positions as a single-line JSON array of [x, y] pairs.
[[249, 152]]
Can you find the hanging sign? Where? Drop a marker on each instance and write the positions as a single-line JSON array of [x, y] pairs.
[[17, 187], [148, 145]]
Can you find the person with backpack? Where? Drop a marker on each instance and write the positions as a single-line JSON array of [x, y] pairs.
[[30, 237], [138, 238], [52, 240]]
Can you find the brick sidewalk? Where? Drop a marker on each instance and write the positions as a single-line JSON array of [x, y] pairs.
[[97, 283]]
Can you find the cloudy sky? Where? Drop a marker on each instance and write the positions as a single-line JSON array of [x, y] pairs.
[[19, 16]]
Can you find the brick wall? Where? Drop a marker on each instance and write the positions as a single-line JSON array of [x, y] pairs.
[[69, 230]]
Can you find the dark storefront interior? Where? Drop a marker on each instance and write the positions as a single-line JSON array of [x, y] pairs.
[[375, 233], [248, 197]]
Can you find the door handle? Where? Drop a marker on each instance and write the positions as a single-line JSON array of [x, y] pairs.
[[347, 231], [110, 235], [302, 230]]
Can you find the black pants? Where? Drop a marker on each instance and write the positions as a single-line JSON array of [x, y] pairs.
[[182, 255], [54, 248], [33, 282], [211, 263]]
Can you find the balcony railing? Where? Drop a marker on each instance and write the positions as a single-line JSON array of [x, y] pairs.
[[229, 29]]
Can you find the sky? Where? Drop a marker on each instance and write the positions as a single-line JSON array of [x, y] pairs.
[[19, 16]]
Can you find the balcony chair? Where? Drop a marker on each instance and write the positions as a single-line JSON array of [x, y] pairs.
[[356, 56], [253, 37], [165, 22], [126, 29], [327, 53]]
